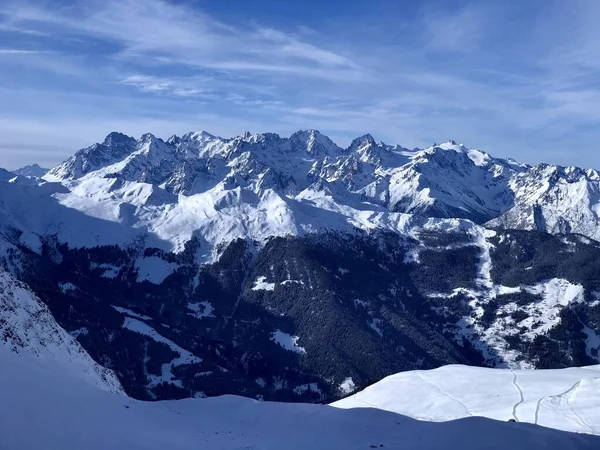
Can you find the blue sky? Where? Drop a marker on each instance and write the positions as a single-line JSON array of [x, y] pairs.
[[519, 79]]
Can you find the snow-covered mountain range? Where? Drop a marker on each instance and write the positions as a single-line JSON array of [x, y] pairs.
[[265, 175], [293, 269]]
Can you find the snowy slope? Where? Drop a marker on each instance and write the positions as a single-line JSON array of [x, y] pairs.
[[565, 399], [67, 413], [28, 328], [50, 218]]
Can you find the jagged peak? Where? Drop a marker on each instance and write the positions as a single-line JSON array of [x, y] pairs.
[[307, 133], [201, 135], [263, 137], [173, 140], [116, 138], [362, 140], [314, 142], [149, 137], [31, 166]]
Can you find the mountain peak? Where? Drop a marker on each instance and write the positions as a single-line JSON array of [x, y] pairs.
[[149, 137], [173, 140], [116, 138], [313, 142], [31, 170], [450, 145], [364, 140]]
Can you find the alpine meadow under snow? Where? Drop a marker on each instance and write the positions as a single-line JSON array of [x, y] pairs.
[[290, 269]]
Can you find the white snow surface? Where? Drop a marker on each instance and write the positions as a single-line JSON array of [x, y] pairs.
[[348, 386], [45, 407], [565, 399], [260, 284]]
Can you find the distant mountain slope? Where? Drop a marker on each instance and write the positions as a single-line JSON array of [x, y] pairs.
[[43, 407], [565, 399], [5, 175], [33, 170]]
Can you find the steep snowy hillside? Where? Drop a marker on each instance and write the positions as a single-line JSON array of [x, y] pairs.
[[565, 399], [28, 328], [43, 407]]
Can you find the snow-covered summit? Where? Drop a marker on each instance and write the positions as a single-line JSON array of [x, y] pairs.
[[114, 148]]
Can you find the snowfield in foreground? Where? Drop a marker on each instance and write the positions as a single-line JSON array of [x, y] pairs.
[[565, 399], [44, 406]]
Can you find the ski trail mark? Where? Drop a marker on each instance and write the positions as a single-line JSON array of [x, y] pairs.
[[522, 398]]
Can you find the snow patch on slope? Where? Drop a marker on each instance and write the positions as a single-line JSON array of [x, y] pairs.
[[185, 357], [347, 386], [287, 341], [260, 284]]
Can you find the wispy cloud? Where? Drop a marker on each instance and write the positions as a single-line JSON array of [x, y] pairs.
[[456, 31], [500, 78], [18, 51], [177, 33]]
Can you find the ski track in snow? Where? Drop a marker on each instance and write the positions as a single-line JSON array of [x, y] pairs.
[[445, 394], [565, 395], [521, 397]]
